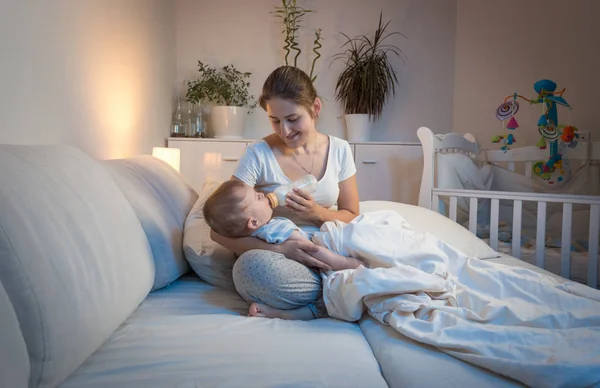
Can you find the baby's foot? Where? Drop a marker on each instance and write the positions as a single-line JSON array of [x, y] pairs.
[[264, 311]]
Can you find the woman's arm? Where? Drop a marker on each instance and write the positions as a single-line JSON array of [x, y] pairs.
[[298, 250], [347, 208]]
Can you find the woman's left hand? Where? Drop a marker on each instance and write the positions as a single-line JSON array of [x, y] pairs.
[[303, 204]]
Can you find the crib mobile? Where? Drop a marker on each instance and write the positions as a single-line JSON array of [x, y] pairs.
[[555, 170]]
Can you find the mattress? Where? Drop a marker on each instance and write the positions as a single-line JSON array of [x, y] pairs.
[[192, 334]]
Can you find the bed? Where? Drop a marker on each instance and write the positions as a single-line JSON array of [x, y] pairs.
[[528, 223]]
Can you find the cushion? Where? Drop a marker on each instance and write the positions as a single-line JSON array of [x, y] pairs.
[[14, 361], [162, 200], [210, 261], [74, 259], [426, 220]]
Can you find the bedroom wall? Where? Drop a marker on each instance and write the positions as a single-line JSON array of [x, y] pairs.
[[245, 34], [94, 74], [504, 47]]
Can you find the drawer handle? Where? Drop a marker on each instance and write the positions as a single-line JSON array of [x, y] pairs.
[[231, 159], [369, 161]]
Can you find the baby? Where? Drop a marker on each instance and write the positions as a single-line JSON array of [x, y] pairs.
[[235, 209]]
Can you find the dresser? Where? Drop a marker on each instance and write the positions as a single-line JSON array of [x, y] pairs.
[[385, 170]]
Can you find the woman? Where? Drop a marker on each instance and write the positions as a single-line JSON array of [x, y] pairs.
[[282, 279]]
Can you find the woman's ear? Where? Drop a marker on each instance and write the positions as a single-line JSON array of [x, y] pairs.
[[252, 224], [317, 107]]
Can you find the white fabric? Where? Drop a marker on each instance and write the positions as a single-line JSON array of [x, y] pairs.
[[416, 359], [426, 220], [516, 322], [210, 261], [74, 259], [161, 200], [259, 168], [14, 361], [194, 335]]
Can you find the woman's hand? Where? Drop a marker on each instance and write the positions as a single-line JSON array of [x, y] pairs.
[[300, 251], [303, 204]]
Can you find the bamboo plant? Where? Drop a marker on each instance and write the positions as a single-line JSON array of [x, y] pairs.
[[368, 78], [291, 16]]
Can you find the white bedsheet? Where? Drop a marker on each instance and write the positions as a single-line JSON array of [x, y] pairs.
[[191, 334], [519, 323]]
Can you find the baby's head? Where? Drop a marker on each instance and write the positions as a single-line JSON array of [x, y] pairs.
[[235, 209]]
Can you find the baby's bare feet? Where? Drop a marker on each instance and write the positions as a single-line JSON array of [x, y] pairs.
[[264, 311], [260, 310]]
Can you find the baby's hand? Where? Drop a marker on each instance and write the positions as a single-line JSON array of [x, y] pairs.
[[300, 251]]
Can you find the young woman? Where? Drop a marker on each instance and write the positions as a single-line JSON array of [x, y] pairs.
[[279, 278]]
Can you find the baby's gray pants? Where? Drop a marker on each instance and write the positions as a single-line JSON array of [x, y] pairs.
[[270, 278]]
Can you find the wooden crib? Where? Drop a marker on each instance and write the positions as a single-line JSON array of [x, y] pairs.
[[517, 160]]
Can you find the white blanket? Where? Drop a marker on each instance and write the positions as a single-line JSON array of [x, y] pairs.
[[513, 321]]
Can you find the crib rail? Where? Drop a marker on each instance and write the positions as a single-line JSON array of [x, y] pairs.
[[593, 274]]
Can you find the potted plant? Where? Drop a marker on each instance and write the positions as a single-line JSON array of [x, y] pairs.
[[367, 80], [227, 88], [291, 16]]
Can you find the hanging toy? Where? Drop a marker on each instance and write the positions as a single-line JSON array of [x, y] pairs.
[[569, 136], [507, 140], [548, 131], [554, 169], [507, 110], [541, 144], [512, 124]]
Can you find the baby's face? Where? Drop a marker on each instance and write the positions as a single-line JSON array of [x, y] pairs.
[[257, 205]]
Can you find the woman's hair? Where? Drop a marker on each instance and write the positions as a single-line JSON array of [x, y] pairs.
[[223, 210], [292, 84]]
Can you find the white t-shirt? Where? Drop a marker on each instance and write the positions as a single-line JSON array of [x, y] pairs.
[[258, 168]]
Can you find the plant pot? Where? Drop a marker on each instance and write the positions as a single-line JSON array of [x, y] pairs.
[[358, 127], [227, 122]]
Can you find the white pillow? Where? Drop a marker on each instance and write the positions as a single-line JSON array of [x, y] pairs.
[[161, 200], [425, 220], [210, 261]]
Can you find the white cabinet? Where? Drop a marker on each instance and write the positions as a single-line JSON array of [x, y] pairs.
[[201, 159], [389, 172], [385, 171]]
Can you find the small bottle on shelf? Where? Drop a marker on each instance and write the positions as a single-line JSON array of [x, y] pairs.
[[178, 123]]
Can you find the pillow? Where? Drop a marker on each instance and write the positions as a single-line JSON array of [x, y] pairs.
[[210, 261], [426, 220], [74, 259], [161, 199]]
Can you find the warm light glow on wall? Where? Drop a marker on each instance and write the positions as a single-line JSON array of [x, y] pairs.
[[169, 155], [212, 164]]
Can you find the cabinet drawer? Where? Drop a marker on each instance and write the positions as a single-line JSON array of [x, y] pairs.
[[201, 160], [389, 172]]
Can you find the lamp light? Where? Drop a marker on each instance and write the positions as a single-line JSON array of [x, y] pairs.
[[169, 155]]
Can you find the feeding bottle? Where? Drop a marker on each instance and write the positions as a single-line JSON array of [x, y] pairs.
[[277, 197]]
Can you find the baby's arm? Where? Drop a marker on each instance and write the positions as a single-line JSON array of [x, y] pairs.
[[335, 261]]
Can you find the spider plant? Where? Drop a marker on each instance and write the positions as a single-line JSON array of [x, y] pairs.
[[368, 78]]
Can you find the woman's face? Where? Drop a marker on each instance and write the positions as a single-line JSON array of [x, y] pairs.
[[292, 122]]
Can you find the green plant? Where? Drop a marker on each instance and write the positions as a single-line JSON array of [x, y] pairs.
[[224, 86], [368, 78], [291, 16]]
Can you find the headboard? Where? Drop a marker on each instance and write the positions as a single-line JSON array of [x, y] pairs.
[[433, 144]]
